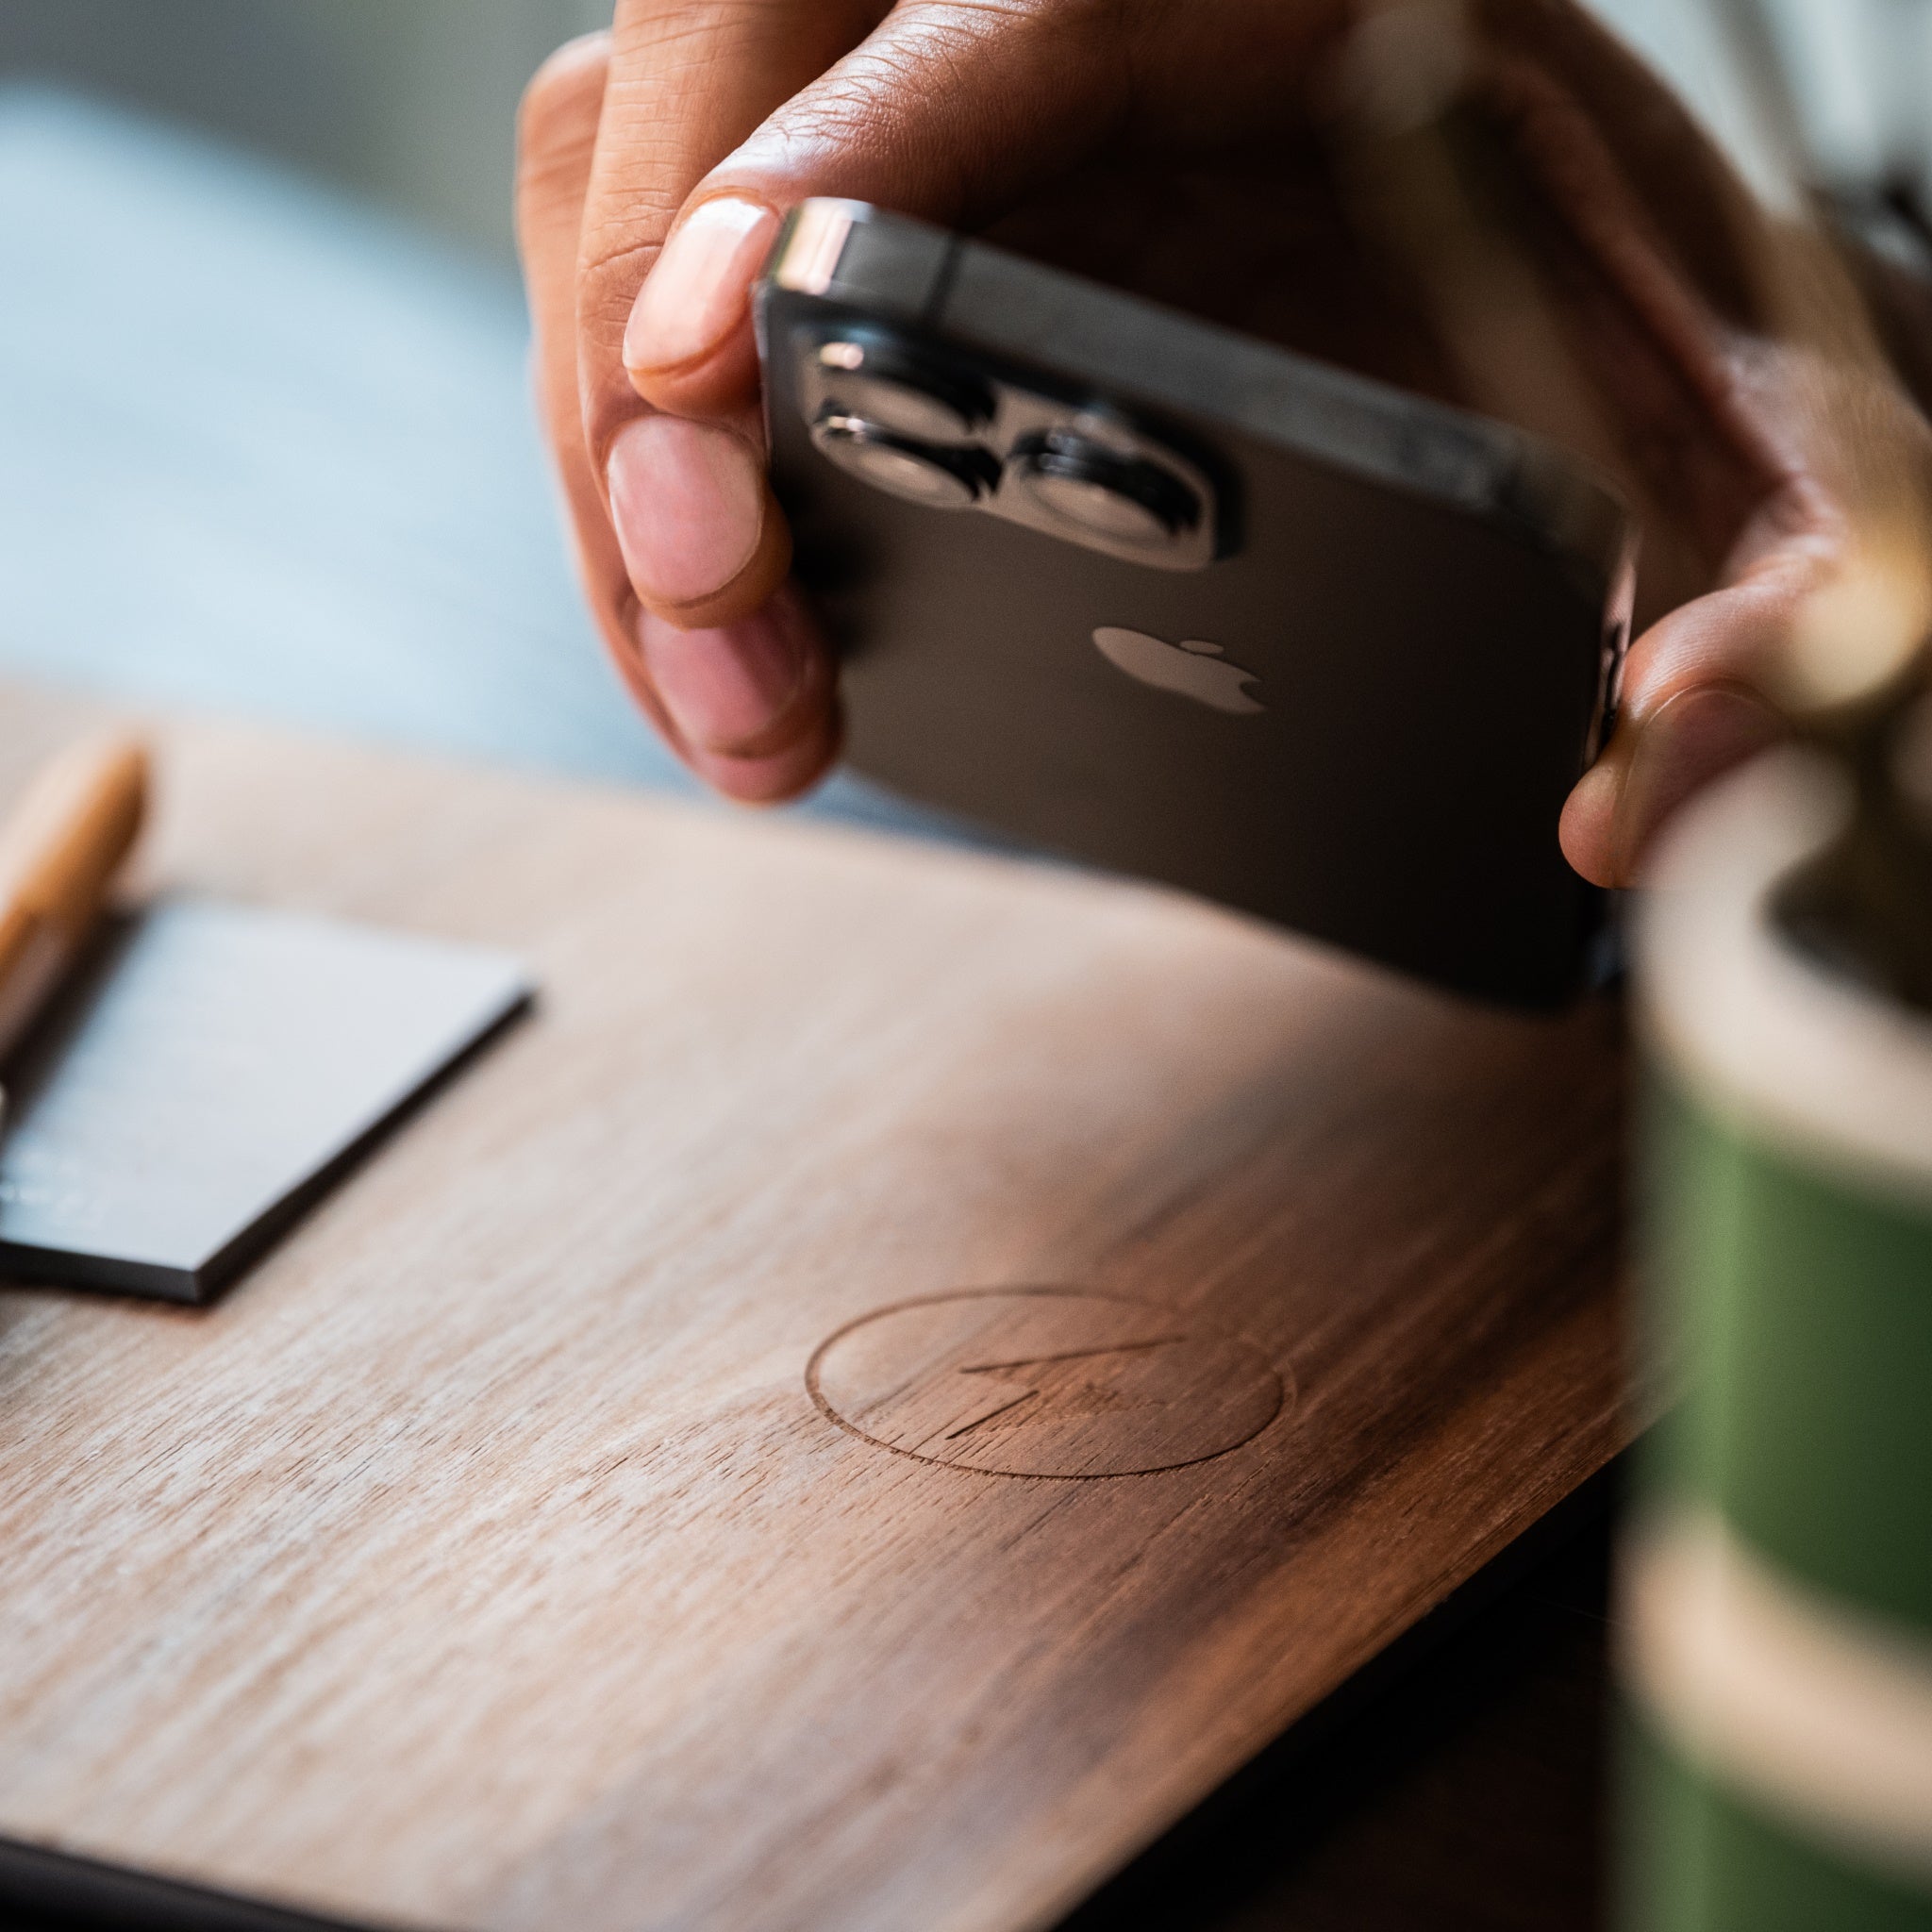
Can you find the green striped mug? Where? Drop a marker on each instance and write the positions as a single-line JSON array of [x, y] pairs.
[[1777, 1580]]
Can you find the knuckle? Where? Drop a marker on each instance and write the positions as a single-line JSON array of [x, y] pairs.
[[565, 92], [612, 262]]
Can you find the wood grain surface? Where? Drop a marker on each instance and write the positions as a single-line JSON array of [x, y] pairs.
[[484, 1558]]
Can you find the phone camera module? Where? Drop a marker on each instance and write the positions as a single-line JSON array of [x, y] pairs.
[[937, 475], [921, 421], [897, 388], [1120, 499]]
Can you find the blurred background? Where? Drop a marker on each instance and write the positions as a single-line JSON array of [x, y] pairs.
[[408, 103], [267, 446], [265, 441]]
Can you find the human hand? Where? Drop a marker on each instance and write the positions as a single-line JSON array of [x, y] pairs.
[[1184, 149]]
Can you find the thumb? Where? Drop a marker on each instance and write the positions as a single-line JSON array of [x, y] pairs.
[[1693, 709]]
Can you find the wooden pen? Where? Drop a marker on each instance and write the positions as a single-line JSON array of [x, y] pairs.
[[60, 848]]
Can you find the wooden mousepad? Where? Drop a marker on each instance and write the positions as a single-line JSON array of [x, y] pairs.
[[906, 1372]]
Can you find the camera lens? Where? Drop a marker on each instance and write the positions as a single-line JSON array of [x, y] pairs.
[[1127, 500], [941, 477], [897, 387]]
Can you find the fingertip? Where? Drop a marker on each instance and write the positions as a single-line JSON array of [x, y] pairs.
[[756, 583], [720, 384], [1694, 737], [779, 776], [703, 537], [1589, 812], [744, 690], [688, 340]]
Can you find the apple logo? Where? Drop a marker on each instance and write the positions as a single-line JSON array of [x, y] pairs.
[[1193, 669]]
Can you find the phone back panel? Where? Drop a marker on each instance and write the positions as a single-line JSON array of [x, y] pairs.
[[1428, 656]]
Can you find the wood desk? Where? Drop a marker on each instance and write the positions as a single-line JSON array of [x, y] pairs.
[[495, 1554]]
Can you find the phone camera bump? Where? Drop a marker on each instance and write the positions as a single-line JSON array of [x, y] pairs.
[[937, 475], [893, 385], [1123, 500]]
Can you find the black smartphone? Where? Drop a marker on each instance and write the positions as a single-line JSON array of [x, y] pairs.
[[1180, 604]]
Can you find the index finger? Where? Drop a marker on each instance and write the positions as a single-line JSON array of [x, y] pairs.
[[704, 540]]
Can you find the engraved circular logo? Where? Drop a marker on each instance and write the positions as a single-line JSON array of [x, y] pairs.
[[1044, 1381]]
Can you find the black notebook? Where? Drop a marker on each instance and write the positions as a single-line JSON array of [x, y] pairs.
[[207, 1077]]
